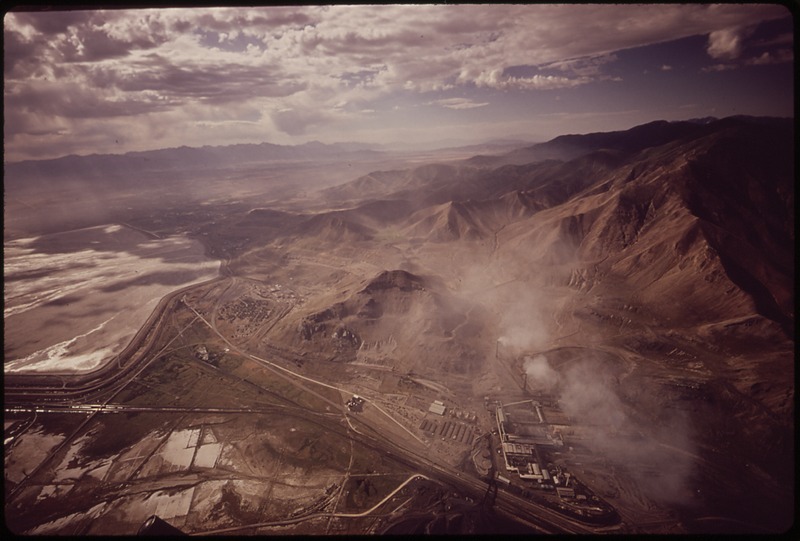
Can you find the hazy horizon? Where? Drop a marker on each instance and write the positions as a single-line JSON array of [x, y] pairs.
[[118, 81]]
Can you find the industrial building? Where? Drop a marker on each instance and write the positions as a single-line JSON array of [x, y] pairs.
[[519, 451], [522, 430], [565, 492], [437, 407], [531, 429]]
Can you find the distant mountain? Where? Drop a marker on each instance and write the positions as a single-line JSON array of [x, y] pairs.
[[703, 120], [567, 147], [182, 159]]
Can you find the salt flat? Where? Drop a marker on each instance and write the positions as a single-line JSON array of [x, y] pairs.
[[73, 300]]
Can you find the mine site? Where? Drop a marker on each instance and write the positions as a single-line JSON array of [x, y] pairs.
[[590, 332]]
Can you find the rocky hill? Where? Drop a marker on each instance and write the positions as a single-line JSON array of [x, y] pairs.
[[394, 306]]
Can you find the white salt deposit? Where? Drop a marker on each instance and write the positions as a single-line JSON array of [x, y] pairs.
[[167, 505], [57, 305], [207, 455], [177, 449]]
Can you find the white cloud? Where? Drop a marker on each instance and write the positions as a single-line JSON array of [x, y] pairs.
[[545, 82], [587, 66], [778, 57], [725, 44], [496, 79], [296, 63], [459, 103]]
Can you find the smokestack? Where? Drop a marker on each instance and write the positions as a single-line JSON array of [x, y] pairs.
[[525, 381]]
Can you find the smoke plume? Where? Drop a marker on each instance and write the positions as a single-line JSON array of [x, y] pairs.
[[540, 376], [586, 390]]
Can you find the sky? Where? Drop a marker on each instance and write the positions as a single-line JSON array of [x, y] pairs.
[[115, 81]]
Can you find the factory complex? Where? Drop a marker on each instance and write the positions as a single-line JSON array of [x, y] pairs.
[[526, 441], [520, 438]]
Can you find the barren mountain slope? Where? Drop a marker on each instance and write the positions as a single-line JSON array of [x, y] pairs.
[[650, 273], [676, 260], [698, 229], [397, 318]]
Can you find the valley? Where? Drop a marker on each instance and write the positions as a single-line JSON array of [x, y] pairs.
[[637, 285]]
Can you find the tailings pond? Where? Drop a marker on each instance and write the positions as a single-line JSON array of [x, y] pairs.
[[74, 300]]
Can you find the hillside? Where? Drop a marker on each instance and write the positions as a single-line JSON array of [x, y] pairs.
[[393, 307], [666, 206]]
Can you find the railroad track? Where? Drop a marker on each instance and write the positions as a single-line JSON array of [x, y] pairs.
[[22, 388]]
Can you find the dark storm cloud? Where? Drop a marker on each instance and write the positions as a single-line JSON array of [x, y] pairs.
[[17, 52], [74, 37], [96, 44]]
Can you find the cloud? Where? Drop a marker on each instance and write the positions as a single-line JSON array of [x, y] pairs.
[[665, 67], [214, 82], [499, 80], [588, 66], [305, 59], [75, 101], [766, 58], [51, 24], [297, 121], [725, 44], [543, 82], [459, 103]]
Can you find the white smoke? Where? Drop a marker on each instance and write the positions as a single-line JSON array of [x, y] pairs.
[[523, 323], [588, 395], [540, 375]]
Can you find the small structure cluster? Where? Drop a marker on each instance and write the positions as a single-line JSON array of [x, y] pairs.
[[355, 404], [452, 431]]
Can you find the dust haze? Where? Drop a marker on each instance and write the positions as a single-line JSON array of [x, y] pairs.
[[352, 339]]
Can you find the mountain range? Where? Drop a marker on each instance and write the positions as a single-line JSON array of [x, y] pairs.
[[663, 254], [183, 159], [699, 213], [698, 210]]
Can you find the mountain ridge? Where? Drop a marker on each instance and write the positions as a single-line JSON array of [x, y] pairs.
[[647, 194]]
